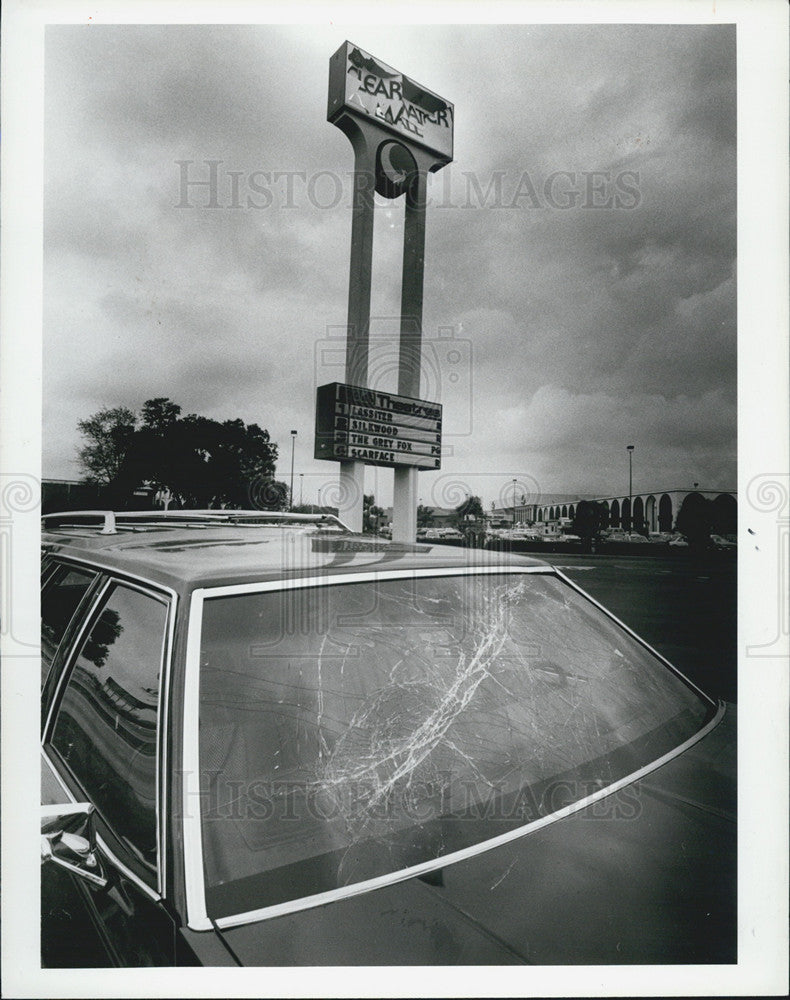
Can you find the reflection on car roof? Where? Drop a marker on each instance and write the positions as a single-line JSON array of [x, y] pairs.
[[188, 556]]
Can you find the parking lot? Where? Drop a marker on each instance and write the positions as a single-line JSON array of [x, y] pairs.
[[686, 607]]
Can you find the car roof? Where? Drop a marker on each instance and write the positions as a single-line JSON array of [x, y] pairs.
[[191, 554]]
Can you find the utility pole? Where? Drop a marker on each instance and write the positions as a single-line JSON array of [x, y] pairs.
[[514, 503], [293, 445]]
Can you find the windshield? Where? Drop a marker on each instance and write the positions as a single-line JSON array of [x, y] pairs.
[[354, 730]]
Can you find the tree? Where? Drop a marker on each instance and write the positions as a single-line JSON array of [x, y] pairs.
[[270, 494], [371, 514], [202, 462], [695, 520], [471, 507], [469, 518], [160, 413], [589, 520], [424, 516], [109, 432]]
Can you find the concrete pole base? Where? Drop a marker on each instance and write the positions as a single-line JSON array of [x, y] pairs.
[[404, 506], [351, 501]]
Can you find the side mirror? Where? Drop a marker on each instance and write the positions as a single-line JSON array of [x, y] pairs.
[[68, 839]]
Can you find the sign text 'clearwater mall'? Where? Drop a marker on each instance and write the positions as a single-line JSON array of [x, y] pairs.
[[370, 88]]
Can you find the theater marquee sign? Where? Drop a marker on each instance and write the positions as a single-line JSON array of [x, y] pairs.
[[366, 86], [378, 428]]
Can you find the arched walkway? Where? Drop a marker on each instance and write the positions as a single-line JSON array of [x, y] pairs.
[[639, 514], [625, 515], [614, 517], [725, 515], [650, 513], [665, 517]]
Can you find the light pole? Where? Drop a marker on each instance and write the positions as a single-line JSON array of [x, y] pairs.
[[293, 447], [514, 503], [630, 448], [301, 486]]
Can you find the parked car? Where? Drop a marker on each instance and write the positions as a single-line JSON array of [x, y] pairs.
[[522, 534], [722, 542], [269, 741], [429, 533]]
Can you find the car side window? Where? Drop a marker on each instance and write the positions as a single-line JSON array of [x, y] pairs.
[[105, 729], [61, 596]]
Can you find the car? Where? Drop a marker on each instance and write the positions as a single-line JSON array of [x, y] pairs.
[[722, 542], [428, 534], [270, 741], [508, 535]]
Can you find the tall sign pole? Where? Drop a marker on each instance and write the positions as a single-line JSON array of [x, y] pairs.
[[400, 132], [352, 474], [405, 489]]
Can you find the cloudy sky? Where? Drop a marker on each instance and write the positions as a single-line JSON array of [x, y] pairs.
[[580, 259]]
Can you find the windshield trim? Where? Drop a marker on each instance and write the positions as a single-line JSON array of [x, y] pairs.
[[197, 915]]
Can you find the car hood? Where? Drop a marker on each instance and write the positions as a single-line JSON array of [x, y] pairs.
[[647, 875]]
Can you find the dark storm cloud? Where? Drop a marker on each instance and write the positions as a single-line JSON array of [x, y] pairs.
[[635, 301]]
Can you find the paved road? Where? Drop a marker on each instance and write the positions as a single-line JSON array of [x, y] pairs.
[[685, 607]]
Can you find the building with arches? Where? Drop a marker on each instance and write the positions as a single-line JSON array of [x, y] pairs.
[[551, 508], [657, 510], [654, 510]]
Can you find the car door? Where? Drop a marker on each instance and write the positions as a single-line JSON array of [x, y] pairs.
[[101, 745]]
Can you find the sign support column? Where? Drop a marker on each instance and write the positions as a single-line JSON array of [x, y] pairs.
[[405, 488], [352, 474]]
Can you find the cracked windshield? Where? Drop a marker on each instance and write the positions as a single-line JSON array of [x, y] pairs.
[[355, 730]]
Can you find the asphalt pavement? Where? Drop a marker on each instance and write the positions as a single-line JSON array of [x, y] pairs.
[[684, 606]]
